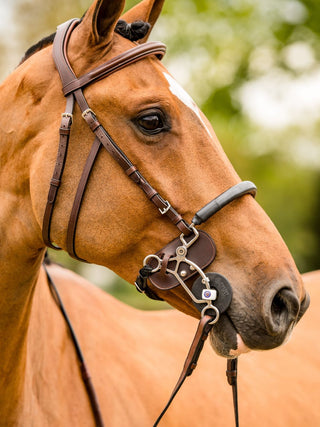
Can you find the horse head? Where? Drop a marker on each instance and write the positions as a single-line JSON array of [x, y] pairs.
[[168, 139]]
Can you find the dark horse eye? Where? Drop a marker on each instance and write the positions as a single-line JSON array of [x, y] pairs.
[[152, 123]]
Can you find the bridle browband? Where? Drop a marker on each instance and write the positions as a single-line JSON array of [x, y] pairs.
[[181, 259]]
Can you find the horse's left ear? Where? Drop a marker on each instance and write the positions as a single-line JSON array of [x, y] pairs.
[[101, 18], [147, 11]]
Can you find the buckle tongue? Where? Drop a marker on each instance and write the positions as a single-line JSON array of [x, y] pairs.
[[166, 208]]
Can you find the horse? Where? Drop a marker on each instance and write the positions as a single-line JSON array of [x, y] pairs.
[[106, 219]]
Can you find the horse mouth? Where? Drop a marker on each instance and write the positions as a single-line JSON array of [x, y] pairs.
[[225, 339], [229, 341]]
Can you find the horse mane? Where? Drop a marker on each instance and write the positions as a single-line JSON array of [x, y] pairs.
[[46, 41], [135, 31]]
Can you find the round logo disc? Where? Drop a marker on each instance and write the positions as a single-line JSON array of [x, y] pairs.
[[221, 285]]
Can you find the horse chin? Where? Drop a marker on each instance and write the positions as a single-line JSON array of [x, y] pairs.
[[225, 340]]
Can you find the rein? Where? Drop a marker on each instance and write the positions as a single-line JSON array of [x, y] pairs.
[[203, 330], [185, 257]]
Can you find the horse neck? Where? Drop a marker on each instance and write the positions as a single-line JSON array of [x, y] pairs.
[[21, 249]]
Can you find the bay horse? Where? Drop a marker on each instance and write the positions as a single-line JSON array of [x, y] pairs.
[[161, 130]]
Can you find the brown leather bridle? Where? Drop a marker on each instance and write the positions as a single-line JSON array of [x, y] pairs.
[[194, 249], [72, 89]]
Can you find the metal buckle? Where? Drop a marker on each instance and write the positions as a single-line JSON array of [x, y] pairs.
[[165, 210], [68, 115], [87, 111]]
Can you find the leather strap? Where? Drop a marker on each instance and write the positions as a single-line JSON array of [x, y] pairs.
[[130, 170], [79, 197], [73, 90], [232, 373], [203, 330], [55, 182], [82, 363], [234, 192], [117, 63], [204, 327]]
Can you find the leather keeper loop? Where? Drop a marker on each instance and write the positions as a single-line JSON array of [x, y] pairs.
[[150, 192], [131, 170], [64, 131], [55, 182], [183, 227], [94, 125], [52, 194], [92, 121]]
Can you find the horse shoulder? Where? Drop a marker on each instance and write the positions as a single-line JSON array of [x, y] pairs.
[[134, 357]]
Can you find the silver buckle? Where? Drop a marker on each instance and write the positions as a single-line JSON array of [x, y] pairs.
[[165, 210]]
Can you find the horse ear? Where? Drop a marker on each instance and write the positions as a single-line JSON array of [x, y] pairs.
[[102, 17], [147, 11]]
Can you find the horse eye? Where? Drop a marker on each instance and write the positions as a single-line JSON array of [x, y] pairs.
[[151, 124]]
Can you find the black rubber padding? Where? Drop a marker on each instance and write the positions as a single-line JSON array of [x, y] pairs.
[[221, 285]]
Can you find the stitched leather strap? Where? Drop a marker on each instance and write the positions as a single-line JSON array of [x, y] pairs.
[[117, 63], [130, 169], [232, 373], [79, 197], [190, 363], [55, 182], [82, 363], [73, 90]]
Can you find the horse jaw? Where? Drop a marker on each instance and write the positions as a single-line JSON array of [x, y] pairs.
[[225, 339], [241, 348], [231, 343]]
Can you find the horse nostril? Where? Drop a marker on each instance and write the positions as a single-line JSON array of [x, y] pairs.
[[304, 306], [284, 310]]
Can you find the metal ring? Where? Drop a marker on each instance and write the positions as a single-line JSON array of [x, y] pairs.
[[207, 307], [159, 261]]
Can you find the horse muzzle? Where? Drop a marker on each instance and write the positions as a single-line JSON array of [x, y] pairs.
[[186, 258]]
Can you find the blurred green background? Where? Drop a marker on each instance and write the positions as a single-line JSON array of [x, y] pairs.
[[253, 68]]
